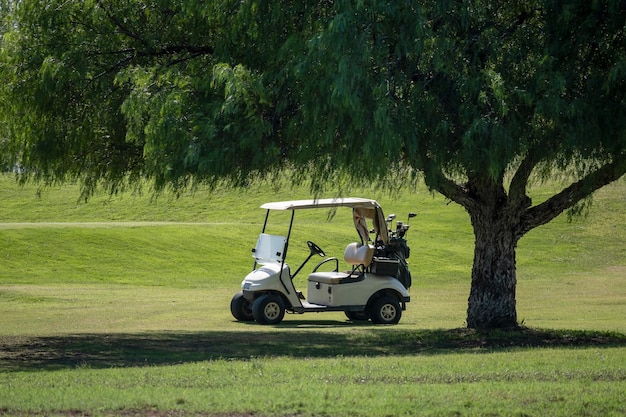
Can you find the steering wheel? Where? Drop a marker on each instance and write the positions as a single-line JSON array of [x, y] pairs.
[[315, 250]]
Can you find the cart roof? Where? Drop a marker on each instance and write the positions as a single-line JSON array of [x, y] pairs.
[[353, 202], [362, 208]]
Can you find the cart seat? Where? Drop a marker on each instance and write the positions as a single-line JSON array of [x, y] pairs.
[[329, 277], [356, 255]]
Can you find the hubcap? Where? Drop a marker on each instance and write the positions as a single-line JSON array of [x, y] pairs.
[[388, 312], [272, 310]]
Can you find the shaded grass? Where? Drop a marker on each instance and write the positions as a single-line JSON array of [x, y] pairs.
[[23, 353]]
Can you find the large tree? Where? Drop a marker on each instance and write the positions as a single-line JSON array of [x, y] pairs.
[[475, 97]]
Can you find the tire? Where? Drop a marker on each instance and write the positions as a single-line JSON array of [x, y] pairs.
[[386, 310], [357, 315], [241, 307], [268, 309]]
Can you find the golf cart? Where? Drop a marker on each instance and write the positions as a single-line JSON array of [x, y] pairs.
[[374, 287]]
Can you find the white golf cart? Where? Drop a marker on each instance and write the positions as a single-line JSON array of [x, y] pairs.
[[375, 286]]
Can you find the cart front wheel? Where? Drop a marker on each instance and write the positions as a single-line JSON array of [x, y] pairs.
[[268, 309], [241, 307], [386, 310]]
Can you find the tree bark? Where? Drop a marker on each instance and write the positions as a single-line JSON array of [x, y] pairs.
[[491, 302], [495, 218]]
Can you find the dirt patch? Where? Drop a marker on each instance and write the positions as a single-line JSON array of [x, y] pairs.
[[617, 269]]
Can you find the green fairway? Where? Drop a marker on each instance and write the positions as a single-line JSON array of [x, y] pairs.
[[120, 306]]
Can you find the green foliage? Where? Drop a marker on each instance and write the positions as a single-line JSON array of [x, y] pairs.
[[192, 90]]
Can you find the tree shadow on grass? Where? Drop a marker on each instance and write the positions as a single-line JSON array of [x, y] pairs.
[[161, 348]]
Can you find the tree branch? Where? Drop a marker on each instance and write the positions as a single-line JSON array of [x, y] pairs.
[[437, 180], [132, 54], [548, 210], [517, 188], [122, 28]]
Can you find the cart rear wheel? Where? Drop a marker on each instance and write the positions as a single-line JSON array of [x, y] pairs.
[[268, 309], [386, 310], [241, 307]]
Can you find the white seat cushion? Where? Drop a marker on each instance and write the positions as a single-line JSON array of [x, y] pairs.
[[328, 277]]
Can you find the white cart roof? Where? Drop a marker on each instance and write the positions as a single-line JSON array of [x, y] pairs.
[[362, 208], [353, 202]]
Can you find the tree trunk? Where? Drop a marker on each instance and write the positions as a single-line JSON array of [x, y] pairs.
[[491, 302], [499, 221]]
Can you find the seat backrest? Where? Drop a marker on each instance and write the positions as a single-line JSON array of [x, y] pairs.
[[358, 254]]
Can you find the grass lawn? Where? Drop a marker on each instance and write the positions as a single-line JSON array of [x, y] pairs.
[[120, 306]]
